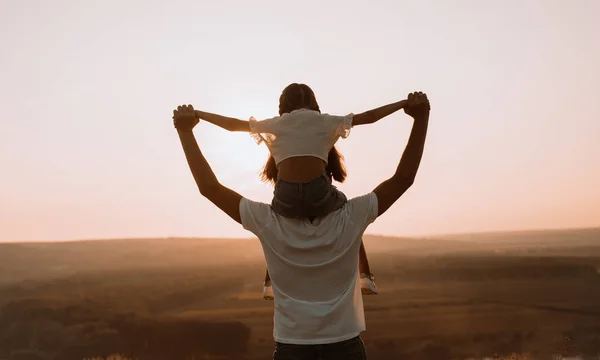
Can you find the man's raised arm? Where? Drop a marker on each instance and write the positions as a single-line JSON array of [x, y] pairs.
[[224, 198], [390, 190]]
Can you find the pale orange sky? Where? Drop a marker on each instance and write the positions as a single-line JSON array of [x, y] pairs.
[[87, 88]]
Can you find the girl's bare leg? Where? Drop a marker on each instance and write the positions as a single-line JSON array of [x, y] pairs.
[[363, 263], [267, 287], [367, 283]]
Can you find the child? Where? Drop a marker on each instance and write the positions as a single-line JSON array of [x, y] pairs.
[[303, 158]]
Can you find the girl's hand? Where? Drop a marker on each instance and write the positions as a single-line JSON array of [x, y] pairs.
[[417, 105], [184, 118]]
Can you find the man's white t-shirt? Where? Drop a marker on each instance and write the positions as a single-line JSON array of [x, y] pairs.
[[314, 269]]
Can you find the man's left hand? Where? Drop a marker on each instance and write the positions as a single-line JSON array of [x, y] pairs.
[[184, 118]]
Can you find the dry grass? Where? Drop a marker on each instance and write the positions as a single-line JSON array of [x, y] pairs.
[[207, 357], [122, 357], [110, 357], [494, 305]]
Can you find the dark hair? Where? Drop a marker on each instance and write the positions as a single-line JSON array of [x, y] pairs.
[[297, 96], [300, 96]]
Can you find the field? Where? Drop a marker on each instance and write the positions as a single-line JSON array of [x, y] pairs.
[[454, 297]]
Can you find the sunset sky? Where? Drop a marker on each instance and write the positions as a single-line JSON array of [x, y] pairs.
[[87, 89]]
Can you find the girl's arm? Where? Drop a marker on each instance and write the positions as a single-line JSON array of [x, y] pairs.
[[371, 116], [224, 122]]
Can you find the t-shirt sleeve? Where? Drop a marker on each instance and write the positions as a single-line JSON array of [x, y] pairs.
[[341, 125], [362, 210], [255, 215], [263, 130], [265, 126]]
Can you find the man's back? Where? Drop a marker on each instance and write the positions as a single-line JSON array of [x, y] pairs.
[[314, 269]]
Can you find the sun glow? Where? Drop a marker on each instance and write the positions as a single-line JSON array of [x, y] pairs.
[[234, 157]]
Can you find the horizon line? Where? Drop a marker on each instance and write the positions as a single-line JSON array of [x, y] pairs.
[[434, 235]]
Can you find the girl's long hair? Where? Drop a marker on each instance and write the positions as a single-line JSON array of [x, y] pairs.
[[300, 96]]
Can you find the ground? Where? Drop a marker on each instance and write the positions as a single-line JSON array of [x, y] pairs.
[[166, 299]]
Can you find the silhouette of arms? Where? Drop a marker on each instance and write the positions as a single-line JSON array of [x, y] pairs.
[[227, 123], [372, 116], [417, 106], [367, 117], [224, 198]]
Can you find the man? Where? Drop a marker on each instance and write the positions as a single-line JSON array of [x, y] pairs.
[[313, 262]]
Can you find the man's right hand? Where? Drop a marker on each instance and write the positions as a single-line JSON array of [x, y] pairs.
[[184, 118], [417, 105]]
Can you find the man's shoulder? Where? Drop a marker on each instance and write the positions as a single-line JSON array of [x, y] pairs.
[[254, 214], [364, 205], [256, 210], [252, 206], [363, 200]]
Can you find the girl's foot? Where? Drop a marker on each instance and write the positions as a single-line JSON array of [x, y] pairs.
[[367, 284], [268, 291]]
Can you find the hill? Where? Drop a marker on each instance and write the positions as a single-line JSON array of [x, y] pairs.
[[42, 260]]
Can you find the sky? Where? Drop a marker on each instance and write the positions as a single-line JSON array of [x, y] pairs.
[[87, 89]]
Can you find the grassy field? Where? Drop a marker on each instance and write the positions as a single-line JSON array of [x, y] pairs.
[[442, 298]]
